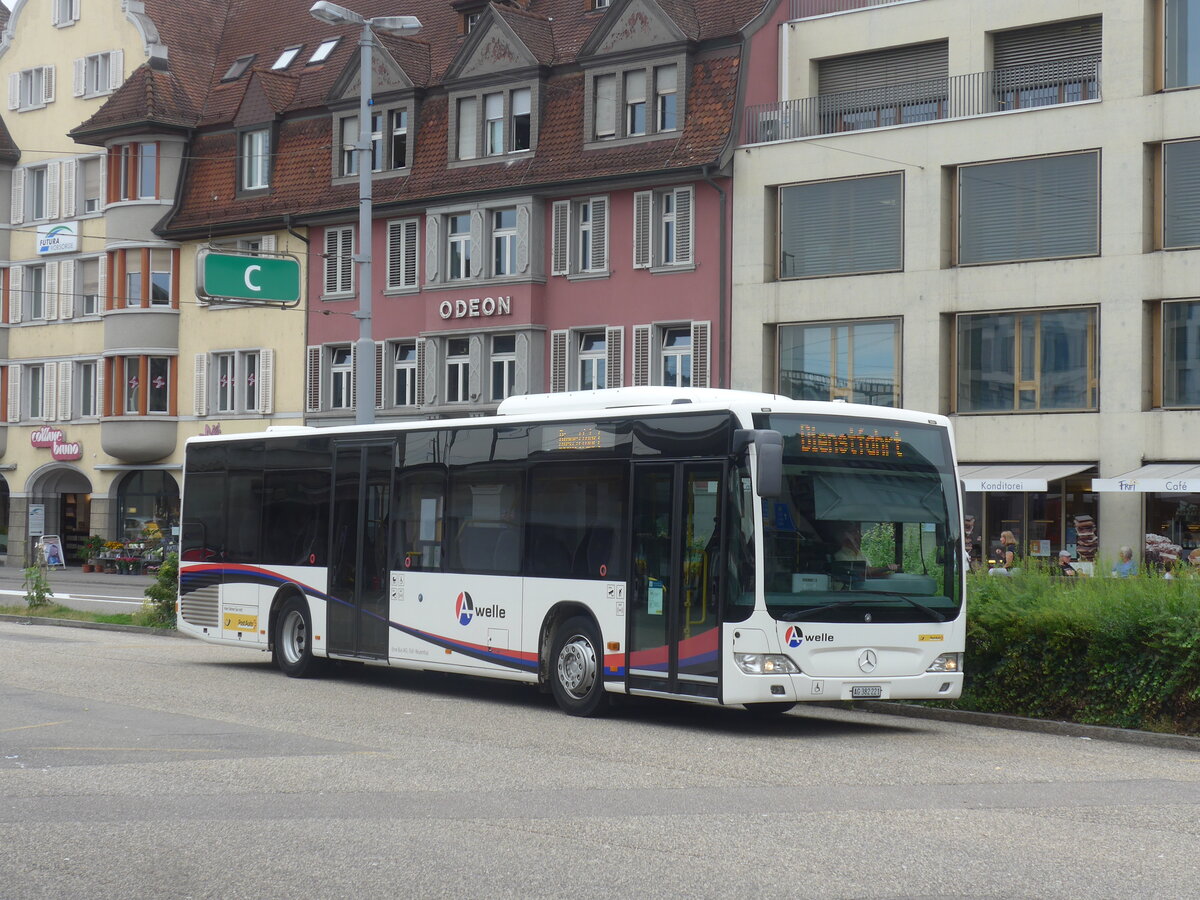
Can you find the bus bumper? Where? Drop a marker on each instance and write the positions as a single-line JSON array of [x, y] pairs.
[[741, 688]]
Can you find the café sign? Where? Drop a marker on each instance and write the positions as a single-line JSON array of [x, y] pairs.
[[60, 238], [54, 439]]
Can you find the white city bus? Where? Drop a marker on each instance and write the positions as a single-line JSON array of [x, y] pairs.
[[706, 545]]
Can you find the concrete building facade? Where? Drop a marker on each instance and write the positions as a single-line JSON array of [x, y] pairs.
[[988, 210]]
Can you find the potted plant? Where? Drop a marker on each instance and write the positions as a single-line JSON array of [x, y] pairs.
[[89, 552], [112, 550]]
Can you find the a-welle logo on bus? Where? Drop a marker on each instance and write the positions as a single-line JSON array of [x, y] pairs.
[[465, 610]]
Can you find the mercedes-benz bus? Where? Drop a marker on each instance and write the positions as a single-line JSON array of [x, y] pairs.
[[716, 546]]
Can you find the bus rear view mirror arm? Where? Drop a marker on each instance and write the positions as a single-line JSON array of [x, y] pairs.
[[768, 449]]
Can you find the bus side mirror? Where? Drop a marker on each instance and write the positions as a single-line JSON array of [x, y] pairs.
[[768, 448]]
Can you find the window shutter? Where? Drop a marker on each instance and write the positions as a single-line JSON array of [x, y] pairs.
[[683, 225], [50, 306], [14, 393], [66, 288], [410, 253], [599, 233], [522, 239], [420, 387], [14, 90], [379, 379], [79, 68], [431, 249], [75, 10], [200, 386], [65, 370], [313, 380], [477, 253], [116, 69], [69, 191], [558, 360], [402, 254], [16, 293], [47, 84], [346, 261], [641, 354], [353, 374], [700, 355], [1046, 43], [841, 227], [266, 381], [643, 205], [52, 192], [1039, 208], [883, 68], [614, 366], [266, 243], [1181, 193], [331, 260], [560, 238], [100, 366], [49, 390], [102, 281], [18, 196]]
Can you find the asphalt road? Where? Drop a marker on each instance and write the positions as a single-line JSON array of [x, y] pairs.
[[92, 591], [137, 765]]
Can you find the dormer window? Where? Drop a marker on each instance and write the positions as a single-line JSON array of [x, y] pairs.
[[601, 4], [239, 67], [493, 124], [322, 52], [286, 58], [255, 162], [389, 140], [640, 101], [470, 20]]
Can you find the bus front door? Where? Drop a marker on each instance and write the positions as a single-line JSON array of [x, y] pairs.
[[673, 634], [357, 623]]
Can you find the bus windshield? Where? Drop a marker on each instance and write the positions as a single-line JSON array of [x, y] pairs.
[[867, 526]]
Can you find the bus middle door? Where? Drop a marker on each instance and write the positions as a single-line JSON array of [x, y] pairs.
[[357, 623], [673, 633]]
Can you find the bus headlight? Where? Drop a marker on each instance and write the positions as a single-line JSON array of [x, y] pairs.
[[947, 662], [765, 664]]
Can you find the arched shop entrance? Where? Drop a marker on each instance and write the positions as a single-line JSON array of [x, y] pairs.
[[66, 494], [147, 506]]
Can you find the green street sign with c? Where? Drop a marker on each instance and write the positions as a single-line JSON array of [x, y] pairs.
[[236, 276]]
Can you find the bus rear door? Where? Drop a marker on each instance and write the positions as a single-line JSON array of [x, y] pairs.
[[357, 623]]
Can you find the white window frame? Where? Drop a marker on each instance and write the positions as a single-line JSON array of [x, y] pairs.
[[64, 13], [87, 394], [91, 304], [666, 96], [657, 221], [322, 51], [31, 88], [681, 355], [254, 159], [404, 369], [458, 248], [36, 286], [503, 367], [591, 360], [503, 243], [163, 390], [577, 223], [91, 205], [650, 352], [98, 74], [286, 58], [484, 124], [458, 371], [37, 192], [341, 377], [36, 391]]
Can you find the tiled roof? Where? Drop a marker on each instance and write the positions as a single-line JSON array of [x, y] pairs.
[[553, 30], [9, 151], [301, 182], [148, 95]]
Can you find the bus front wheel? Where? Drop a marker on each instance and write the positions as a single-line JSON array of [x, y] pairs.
[[576, 660], [293, 641]]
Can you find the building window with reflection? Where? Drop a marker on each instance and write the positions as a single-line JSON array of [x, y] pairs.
[[1027, 361], [854, 361]]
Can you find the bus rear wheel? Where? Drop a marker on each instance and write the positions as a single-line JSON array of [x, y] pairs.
[[576, 660], [293, 641]]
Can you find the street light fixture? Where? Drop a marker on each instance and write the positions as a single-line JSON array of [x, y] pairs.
[[364, 348]]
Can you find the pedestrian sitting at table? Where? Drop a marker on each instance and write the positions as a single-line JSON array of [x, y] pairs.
[[1126, 566], [1064, 563]]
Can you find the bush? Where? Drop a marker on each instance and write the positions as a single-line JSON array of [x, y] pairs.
[[1123, 652], [37, 587], [158, 609]]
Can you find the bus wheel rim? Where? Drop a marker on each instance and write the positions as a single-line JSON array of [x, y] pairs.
[[577, 669], [295, 637]]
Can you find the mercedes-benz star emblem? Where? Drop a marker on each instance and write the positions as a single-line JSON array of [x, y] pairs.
[[867, 661]]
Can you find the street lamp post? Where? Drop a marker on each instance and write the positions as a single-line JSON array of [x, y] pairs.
[[364, 348]]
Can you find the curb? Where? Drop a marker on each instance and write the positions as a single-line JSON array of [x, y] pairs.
[[1039, 726], [95, 626]]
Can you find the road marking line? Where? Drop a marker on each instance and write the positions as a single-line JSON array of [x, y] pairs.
[[122, 600], [137, 749], [23, 727]]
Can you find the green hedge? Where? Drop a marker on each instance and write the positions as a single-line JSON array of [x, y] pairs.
[[1123, 652]]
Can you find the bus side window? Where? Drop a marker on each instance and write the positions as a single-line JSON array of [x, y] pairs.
[[420, 497]]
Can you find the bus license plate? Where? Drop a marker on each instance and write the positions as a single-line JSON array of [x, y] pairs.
[[866, 691]]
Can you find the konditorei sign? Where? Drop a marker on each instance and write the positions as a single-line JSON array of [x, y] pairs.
[[60, 238], [56, 441]]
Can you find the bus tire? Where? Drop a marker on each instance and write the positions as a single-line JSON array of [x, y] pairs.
[[768, 710], [576, 668], [292, 650]]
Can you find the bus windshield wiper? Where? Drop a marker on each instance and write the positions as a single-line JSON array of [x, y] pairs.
[[798, 615]]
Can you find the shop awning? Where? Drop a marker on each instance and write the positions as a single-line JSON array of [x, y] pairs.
[[1166, 478], [1017, 476]]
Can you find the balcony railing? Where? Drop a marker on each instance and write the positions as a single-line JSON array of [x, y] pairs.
[[807, 9], [1047, 83]]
